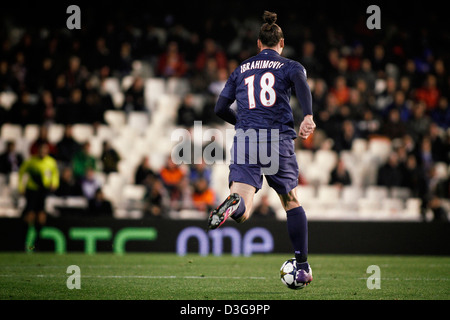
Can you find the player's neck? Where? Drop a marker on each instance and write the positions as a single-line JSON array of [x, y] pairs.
[[277, 50]]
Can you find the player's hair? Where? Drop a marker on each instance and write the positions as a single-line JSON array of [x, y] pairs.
[[270, 33]]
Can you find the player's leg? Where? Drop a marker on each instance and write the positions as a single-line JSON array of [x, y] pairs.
[[246, 193], [237, 205], [297, 226], [285, 182]]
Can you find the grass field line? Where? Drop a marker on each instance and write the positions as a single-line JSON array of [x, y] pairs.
[[196, 277], [130, 276]]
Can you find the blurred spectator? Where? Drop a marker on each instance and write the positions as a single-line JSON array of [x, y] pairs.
[[186, 112], [45, 109], [414, 178], [171, 63], [144, 172], [391, 173], [429, 93], [89, 184], [400, 104], [82, 161], [67, 147], [441, 114], [109, 157], [393, 127], [345, 138], [339, 175], [341, 91], [419, 123], [210, 51], [98, 206], [68, 186], [368, 125], [10, 159], [203, 197], [439, 149], [22, 111], [134, 97], [310, 61], [171, 175], [42, 139], [200, 171], [264, 210], [125, 59], [156, 200]]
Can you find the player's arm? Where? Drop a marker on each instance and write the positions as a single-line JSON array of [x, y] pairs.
[[55, 176], [23, 168], [303, 93], [223, 110]]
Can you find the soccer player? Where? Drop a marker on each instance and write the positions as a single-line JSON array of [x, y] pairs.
[[262, 86], [42, 178]]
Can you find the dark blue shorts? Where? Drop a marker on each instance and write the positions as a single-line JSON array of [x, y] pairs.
[[277, 164]]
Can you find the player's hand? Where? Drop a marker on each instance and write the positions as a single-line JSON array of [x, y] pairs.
[[306, 127]]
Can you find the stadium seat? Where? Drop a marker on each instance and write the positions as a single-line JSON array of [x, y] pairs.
[[31, 132], [381, 148], [400, 193], [412, 209], [327, 159], [82, 132], [316, 174], [104, 132], [191, 215], [350, 196], [306, 193], [154, 88], [7, 99], [219, 181], [392, 207], [304, 157], [328, 196], [441, 170], [112, 86], [178, 86], [133, 200], [377, 193], [96, 147], [55, 133], [115, 119], [11, 132], [127, 170], [359, 146], [139, 121]]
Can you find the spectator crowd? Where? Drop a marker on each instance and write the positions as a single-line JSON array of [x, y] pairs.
[[393, 83]]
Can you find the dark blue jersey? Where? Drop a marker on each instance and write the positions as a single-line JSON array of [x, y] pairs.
[[262, 86]]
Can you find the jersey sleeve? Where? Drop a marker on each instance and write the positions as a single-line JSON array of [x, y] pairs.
[[55, 175], [229, 91], [226, 98], [297, 75]]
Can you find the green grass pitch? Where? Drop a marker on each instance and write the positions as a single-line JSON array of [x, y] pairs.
[[141, 276]]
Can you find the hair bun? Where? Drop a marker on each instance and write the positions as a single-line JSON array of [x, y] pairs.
[[270, 17]]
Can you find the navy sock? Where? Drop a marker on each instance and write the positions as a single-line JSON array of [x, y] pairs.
[[297, 226], [240, 210]]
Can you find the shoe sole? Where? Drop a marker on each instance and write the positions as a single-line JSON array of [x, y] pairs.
[[219, 215]]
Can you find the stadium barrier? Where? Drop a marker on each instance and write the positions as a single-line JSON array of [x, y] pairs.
[[65, 235]]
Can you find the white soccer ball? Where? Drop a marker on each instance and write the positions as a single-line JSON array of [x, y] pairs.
[[288, 275]]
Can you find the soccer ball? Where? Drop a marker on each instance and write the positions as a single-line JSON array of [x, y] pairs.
[[288, 274]]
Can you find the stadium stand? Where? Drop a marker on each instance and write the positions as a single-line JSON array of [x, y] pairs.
[[372, 72]]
